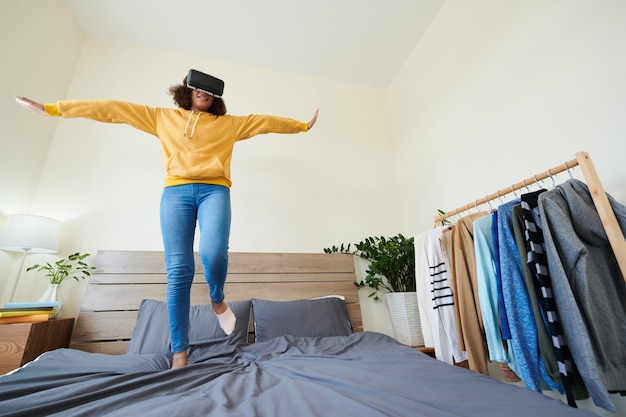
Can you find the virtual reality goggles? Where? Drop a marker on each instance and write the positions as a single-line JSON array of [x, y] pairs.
[[206, 83]]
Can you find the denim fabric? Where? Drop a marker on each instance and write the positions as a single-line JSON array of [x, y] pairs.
[[181, 207]]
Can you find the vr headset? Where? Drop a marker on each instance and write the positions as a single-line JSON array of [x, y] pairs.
[[206, 83]]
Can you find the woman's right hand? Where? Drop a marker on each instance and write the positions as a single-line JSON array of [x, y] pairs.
[[30, 104], [313, 120]]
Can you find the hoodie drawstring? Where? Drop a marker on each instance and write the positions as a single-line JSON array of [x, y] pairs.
[[193, 128]]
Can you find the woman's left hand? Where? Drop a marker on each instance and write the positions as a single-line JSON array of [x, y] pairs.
[[30, 104], [313, 120]]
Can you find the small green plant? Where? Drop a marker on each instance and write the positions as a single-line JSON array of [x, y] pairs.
[[392, 263], [444, 222], [341, 249], [70, 267]]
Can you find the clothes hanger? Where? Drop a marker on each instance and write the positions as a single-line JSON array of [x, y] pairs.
[[552, 178]]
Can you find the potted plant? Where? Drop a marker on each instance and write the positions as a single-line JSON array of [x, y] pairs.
[[72, 267], [392, 269]]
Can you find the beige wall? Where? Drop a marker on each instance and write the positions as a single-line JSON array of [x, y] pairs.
[[40, 43], [291, 193], [498, 91]]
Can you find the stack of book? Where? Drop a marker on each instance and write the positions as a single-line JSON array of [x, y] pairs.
[[28, 312]]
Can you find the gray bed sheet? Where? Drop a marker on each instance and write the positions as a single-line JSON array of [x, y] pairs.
[[364, 374]]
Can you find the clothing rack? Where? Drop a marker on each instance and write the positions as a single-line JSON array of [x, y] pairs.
[[600, 200]]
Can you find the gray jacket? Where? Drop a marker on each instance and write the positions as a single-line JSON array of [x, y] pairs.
[[589, 288]]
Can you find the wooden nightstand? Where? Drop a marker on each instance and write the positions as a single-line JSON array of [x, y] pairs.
[[23, 342], [427, 350]]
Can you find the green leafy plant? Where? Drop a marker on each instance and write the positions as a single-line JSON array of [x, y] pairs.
[[341, 249], [392, 263], [444, 222], [70, 267]]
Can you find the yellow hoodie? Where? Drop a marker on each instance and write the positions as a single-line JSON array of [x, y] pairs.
[[197, 147]]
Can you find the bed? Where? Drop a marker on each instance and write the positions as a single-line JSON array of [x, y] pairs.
[[299, 349]]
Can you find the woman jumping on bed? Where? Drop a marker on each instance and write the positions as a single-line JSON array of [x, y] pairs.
[[197, 140]]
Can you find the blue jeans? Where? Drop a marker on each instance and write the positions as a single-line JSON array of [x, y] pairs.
[[181, 207]]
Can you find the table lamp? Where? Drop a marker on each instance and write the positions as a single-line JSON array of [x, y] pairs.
[[27, 233]]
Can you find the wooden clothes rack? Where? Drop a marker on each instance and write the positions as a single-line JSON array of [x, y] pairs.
[[600, 200]]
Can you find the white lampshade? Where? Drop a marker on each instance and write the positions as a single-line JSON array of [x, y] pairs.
[[28, 233]]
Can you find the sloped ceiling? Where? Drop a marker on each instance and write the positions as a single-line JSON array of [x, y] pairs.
[[357, 41]]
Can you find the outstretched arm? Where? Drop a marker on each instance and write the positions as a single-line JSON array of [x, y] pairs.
[[30, 104], [313, 120]]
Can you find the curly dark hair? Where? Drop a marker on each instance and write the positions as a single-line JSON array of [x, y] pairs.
[[181, 94]]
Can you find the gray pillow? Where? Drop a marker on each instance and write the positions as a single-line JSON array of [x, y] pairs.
[[151, 333], [309, 318]]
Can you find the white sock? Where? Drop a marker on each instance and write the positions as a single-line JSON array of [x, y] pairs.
[[227, 321]]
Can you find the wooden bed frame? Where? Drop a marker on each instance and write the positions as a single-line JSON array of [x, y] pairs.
[[123, 278]]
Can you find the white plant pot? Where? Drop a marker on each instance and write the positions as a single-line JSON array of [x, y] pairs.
[[405, 318], [53, 293], [375, 313]]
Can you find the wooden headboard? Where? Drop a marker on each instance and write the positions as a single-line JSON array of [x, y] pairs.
[[123, 278]]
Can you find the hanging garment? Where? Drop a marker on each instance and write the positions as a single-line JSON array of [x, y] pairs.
[[538, 265], [521, 321], [499, 350], [543, 336], [444, 323], [504, 320], [471, 331], [588, 285], [423, 289]]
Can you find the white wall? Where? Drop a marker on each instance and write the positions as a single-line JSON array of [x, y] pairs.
[[40, 42], [497, 91], [291, 193]]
